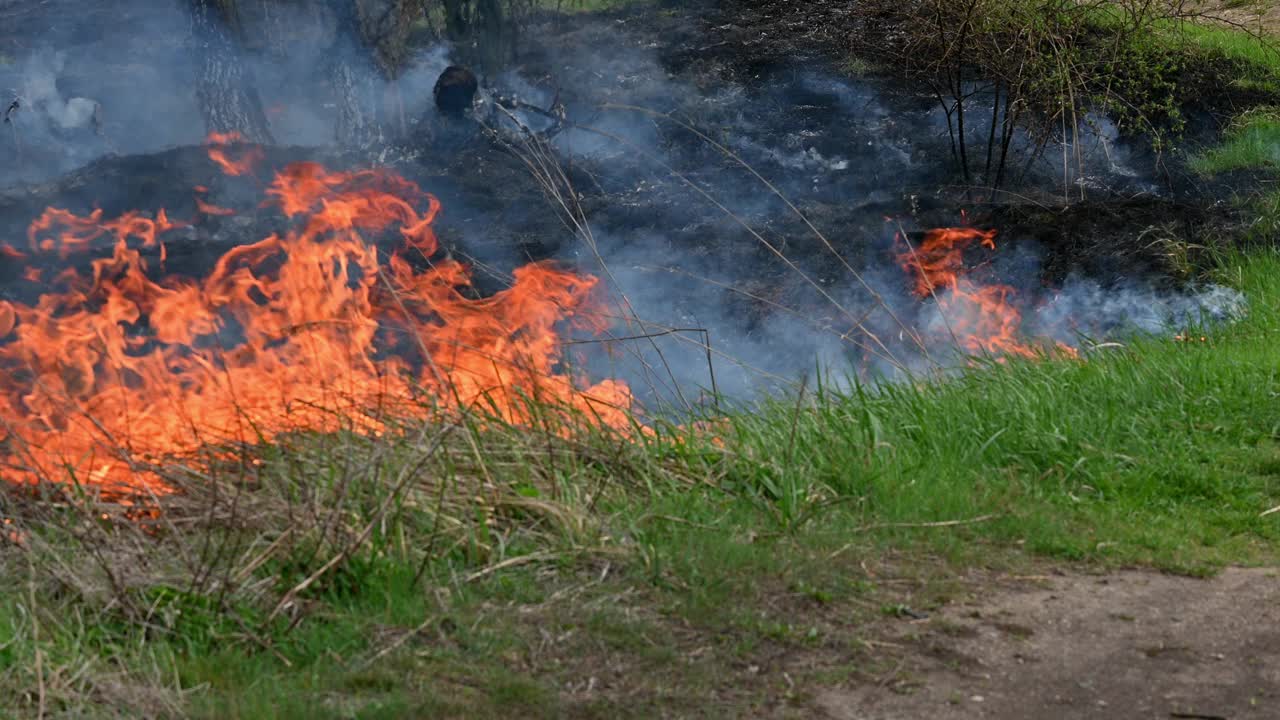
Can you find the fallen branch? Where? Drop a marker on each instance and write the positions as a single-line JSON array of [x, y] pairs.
[[556, 114]]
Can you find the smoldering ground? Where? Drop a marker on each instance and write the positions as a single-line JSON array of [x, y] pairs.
[[754, 209]]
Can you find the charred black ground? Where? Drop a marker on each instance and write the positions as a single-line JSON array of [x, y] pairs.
[[657, 99]]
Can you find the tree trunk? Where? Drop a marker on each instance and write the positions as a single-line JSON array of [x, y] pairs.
[[227, 98], [359, 121], [371, 41]]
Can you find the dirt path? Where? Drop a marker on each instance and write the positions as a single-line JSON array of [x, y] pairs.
[[1132, 644]]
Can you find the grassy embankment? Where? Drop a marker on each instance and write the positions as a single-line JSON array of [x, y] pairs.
[[487, 571]]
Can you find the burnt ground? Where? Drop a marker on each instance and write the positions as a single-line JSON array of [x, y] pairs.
[[1128, 644]]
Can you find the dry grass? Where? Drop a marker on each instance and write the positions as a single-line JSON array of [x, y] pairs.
[[252, 535]]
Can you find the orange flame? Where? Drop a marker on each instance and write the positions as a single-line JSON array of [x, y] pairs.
[[249, 157], [982, 319], [313, 329], [211, 209]]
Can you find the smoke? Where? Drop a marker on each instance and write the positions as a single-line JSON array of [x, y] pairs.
[[847, 152], [1083, 308], [93, 82], [39, 92], [122, 80]]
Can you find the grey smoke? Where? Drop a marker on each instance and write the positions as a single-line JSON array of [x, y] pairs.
[[123, 83], [39, 92], [1083, 306]]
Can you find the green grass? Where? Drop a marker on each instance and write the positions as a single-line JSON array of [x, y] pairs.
[[1246, 59], [1232, 43], [1251, 140], [1239, 44], [1252, 143], [1163, 452]]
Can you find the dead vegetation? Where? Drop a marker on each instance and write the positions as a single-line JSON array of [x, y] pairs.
[[238, 555]]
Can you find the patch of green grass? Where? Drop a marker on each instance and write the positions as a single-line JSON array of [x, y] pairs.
[[855, 66], [1233, 43], [1245, 59], [1253, 142], [1238, 44]]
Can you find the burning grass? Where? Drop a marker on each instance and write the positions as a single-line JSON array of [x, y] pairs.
[[312, 329], [393, 572], [358, 535], [238, 560]]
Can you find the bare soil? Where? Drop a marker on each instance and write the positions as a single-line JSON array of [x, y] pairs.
[[1131, 644], [1251, 14]]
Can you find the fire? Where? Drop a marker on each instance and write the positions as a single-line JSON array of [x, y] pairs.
[[981, 319], [248, 159], [122, 367], [211, 209]]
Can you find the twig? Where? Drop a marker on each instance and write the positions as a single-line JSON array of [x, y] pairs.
[[941, 523], [35, 637], [644, 336], [13, 126], [402, 639], [1265, 513], [681, 521], [510, 562]]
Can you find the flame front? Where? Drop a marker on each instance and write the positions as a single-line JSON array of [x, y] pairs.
[[313, 329], [980, 319]]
